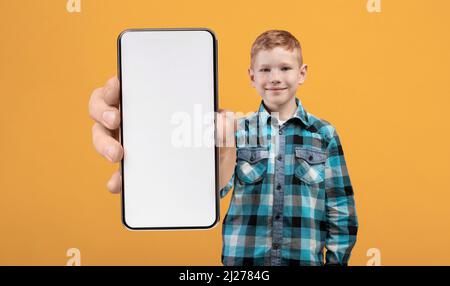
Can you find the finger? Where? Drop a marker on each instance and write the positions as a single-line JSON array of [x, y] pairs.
[[112, 89], [101, 112], [229, 116], [226, 127], [220, 130], [114, 184], [105, 144]]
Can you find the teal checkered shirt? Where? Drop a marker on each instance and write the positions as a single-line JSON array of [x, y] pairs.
[[292, 202]]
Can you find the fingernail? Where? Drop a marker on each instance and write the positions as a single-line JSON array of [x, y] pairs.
[[109, 117], [110, 153]]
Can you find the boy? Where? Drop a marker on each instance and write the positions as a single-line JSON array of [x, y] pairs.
[[292, 194]]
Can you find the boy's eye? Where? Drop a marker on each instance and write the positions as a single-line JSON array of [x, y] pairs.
[[268, 70]]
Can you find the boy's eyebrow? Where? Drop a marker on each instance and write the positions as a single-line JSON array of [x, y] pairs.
[[282, 64]]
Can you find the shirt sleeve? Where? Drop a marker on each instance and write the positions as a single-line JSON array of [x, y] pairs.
[[342, 223], [224, 191]]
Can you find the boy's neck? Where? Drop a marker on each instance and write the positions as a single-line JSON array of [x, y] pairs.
[[282, 112]]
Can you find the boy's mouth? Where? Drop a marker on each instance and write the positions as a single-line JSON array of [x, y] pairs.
[[276, 89]]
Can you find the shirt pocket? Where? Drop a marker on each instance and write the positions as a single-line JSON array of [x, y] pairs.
[[251, 165], [310, 165]]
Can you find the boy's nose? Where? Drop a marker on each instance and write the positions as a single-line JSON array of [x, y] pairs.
[[274, 76], [274, 80]]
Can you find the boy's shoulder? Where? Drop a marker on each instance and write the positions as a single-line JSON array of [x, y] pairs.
[[321, 126]]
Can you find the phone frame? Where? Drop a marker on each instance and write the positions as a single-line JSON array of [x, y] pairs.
[[216, 149]]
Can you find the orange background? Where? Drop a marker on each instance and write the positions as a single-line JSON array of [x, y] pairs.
[[380, 78]]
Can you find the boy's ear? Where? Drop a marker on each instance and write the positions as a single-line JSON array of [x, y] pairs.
[[251, 74], [302, 74]]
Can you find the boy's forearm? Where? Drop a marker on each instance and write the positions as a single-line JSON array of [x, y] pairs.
[[341, 236], [227, 163], [342, 222]]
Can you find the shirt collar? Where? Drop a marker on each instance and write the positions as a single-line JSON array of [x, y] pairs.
[[300, 113]]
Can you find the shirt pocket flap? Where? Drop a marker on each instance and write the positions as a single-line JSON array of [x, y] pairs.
[[252, 155], [251, 164], [310, 155]]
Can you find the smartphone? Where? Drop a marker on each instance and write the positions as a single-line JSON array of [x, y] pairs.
[[168, 104]]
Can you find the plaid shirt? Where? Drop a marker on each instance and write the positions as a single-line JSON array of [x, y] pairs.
[[292, 194]]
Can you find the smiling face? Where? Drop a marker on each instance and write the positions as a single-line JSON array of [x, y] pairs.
[[276, 75]]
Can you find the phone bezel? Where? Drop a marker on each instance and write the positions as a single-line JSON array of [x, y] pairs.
[[216, 153]]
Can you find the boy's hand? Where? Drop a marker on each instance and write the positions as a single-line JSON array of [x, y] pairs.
[[225, 128], [103, 108], [225, 140]]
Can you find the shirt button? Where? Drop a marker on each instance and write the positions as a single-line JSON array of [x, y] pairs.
[[280, 157], [252, 157], [277, 217], [279, 187], [276, 246], [310, 157], [280, 132]]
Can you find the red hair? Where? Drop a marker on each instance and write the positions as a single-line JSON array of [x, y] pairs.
[[275, 38]]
